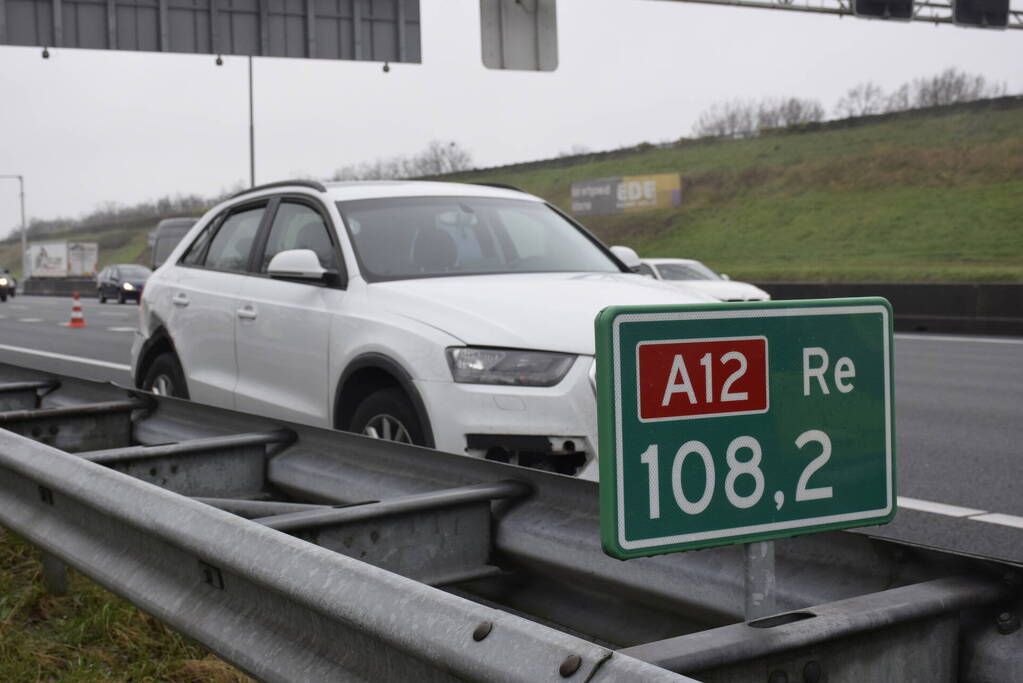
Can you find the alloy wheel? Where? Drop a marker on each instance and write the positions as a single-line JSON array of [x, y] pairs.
[[388, 428]]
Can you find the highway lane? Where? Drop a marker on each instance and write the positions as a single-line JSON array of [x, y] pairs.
[[959, 407], [39, 324]]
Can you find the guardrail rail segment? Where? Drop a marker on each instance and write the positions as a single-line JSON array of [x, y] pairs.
[[303, 554]]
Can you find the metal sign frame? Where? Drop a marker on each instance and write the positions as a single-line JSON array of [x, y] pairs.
[[627, 532]]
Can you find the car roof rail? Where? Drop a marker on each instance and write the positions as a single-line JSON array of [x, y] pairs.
[[503, 186], [314, 184]]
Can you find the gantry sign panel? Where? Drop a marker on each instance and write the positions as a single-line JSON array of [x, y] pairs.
[[374, 30], [997, 14]]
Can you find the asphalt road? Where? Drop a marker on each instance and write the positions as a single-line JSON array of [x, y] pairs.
[[959, 416]]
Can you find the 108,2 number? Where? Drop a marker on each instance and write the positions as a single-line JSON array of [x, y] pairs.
[[749, 467]]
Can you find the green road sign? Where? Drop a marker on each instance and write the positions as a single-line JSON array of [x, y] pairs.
[[733, 423]]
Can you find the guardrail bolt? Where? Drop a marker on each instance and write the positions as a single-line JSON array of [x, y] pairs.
[[570, 665], [482, 631], [46, 495], [778, 676], [813, 672], [1007, 623]]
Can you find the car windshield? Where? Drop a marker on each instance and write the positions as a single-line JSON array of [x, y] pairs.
[[133, 272], [686, 271], [415, 237]]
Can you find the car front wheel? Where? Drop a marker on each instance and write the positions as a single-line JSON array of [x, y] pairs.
[[388, 414], [102, 299], [165, 377]]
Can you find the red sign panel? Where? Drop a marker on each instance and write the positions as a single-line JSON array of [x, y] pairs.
[[702, 378]]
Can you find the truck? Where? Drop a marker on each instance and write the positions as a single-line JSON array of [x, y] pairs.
[[62, 259]]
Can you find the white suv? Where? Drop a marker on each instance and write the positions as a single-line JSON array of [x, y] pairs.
[[449, 315]]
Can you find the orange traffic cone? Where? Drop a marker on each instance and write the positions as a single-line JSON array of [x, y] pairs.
[[77, 319]]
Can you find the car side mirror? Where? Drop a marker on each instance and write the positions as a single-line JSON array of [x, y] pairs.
[[724, 276], [297, 264], [628, 256]]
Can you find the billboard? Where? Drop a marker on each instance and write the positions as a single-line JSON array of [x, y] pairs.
[[604, 196], [47, 259], [62, 259]]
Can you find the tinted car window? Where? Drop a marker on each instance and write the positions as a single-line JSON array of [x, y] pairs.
[[297, 226], [232, 244], [193, 257]]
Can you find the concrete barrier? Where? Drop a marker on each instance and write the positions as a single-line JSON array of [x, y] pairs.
[[975, 308], [85, 286]]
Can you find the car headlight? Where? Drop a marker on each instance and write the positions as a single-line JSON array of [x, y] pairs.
[[3, 282], [128, 287], [508, 366]]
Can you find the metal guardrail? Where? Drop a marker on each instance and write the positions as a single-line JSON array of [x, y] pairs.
[[347, 557]]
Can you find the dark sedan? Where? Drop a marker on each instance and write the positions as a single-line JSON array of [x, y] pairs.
[[122, 282]]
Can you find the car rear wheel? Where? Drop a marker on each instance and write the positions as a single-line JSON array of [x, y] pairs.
[[387, 414], [165, 377]]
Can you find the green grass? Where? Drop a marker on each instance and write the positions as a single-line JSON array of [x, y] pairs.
[[927, 197], [89, 635]]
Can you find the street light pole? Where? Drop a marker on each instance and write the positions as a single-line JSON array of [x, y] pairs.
[[24, 247], [252, 133]]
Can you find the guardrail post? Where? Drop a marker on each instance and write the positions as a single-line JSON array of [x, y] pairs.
[[54, 574], [759, 571]]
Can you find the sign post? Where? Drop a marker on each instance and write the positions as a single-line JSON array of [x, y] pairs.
[[742, 423]]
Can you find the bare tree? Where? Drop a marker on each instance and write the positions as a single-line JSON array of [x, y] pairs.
[[952, 86], [793, 111], [441, 157], [898, 100], [574, 151], [742, 118], [438, 158], [732, 119], [861, 100]]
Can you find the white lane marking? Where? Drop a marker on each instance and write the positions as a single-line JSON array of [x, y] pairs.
[[960, 512], [61, 356], [998, 518], [115, 315], [121, 329], [981, 340], [937, 508], [19, 307], [30, 320]]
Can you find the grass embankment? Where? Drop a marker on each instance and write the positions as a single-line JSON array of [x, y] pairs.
[[927, 197], [89, 635], [922, 196]]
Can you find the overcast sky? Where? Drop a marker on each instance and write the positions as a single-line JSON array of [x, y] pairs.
[[87, 127]]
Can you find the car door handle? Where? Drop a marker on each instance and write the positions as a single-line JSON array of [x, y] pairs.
[[247, 313], [181, 300]]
